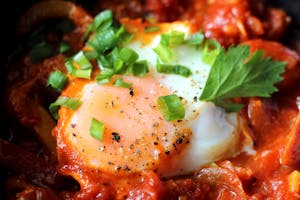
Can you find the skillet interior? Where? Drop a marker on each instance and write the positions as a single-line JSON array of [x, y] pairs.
[[16, 7]]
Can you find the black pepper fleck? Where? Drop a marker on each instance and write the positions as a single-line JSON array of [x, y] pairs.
[[126, 168], [138, 152], [110, 163], [155, 124], [116, 137], [167, 152], [195, 98], [155, 143], [131, 92], [179, 141], [112, 104]]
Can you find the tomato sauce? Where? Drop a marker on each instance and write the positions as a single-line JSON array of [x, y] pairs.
[[274, 123]]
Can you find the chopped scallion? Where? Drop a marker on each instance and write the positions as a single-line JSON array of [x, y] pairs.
[[210, 51], [64, 47], [104, 40], [87, 31], [40, 51], [171, 107], [151, 29], [196, 39], [71, 103], [91, 55], [120, 83], [174, 37], [173, 69], [82, 61], [97, 129], [104, 76], [140, 68], [163, 52], [118, 66], [79, 73], [104, 62], [103, 20], [123, 35], [69, 66], [57, 80], [82, 73], [128, 55]]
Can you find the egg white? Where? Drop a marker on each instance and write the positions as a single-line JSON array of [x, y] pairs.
[[215, 133]]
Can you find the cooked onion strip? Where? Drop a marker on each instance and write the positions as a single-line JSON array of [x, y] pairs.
[[53, 9]]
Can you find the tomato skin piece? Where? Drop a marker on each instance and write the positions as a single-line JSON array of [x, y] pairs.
[[151, 188]]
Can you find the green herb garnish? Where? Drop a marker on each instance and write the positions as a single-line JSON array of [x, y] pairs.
[[171, 107], [237, 74], [57, 80], [71, 103], [173, 69], [120, 83], [97, 129]]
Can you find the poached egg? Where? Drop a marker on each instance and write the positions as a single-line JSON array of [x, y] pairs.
[[136, 135]]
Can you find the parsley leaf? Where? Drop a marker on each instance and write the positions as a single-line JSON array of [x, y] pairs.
[[236, 74]]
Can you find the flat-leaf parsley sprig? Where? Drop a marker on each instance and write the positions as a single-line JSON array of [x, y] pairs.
[[236, 73]]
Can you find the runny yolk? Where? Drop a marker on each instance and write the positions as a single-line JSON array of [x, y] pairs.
[[136, 136]]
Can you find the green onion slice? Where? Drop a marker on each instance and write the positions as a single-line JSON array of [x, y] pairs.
[[104, 76], [140, 68], [171, 107], [173, 69], [69, 66], [87, 31], [71, 103], [123, 35], [118, 66], [79, 73], [82, 73], [210, 51], [40, 51], [120, 83], [82, 61], [104, 40], [128, 55], [64, 47], [103, 20], [57, 80], [163, 52], [97, 129], [104, 62], [91, 55], [151, 29], [196, 39], [174, 37]]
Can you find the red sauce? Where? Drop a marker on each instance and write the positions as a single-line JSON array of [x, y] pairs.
[[274, 122]]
